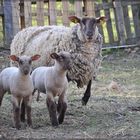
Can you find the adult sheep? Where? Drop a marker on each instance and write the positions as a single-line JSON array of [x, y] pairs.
[[83, 41]]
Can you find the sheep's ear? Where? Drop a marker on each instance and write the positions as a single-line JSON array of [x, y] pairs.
[[74, 19], [14, 58], [35, 57], [54, 56], [101, 19]]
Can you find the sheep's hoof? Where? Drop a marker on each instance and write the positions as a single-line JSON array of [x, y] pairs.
[[85, 100], [60, 120], [18, 126], [55, 123], [22, 119]]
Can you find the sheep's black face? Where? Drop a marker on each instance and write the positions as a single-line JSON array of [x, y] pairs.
[[88, 27], [25, 65]]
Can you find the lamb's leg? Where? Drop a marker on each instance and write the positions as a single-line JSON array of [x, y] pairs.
[[87, 93], [22, 115], [61, 108], [52, 110], [27, 101], [2, 92], [38, 95], [16, 110]]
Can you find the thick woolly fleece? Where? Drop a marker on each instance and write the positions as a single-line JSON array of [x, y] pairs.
[[48, 39]]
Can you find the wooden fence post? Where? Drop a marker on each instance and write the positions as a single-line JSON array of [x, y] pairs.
[[40, 13], [78, 8], [52, 12], [11, 19], [27, 13], [89, 8], [136, 19], [120, 21], [65, 6]]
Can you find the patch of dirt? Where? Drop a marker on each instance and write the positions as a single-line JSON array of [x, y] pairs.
[[109, 114]]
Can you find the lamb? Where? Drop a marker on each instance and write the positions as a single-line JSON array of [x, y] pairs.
[[18, 82], [53, 81], [83, 41]]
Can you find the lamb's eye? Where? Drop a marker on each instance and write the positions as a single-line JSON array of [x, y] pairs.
[[30, 61], [62, 58], [21, 62]]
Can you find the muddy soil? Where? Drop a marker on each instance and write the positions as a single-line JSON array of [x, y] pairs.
[[110, 113]]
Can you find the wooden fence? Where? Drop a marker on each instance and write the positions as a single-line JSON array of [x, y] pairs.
[[121, 28]]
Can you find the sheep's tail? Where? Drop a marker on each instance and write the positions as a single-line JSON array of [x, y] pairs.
[[23, 37]]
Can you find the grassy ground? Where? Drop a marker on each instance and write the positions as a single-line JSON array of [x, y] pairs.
[[110, 113]]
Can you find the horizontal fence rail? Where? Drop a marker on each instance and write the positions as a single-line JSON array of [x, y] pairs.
[[121, 28]]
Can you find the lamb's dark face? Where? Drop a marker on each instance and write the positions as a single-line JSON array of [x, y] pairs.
[[25, 65], [63, 59], [88, 26]]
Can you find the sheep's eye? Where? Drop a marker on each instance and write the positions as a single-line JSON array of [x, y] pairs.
[[84, 21]]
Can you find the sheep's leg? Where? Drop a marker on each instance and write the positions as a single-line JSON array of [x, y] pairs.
[[27, 101], [87, 93], [22, 115], [16, 110], [52, 110], [61, 108], [2, 92]]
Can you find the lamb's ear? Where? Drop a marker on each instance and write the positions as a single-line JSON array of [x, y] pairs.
[[74, 19], [14, 58], [35, 57], [54, 55], [101, 19]]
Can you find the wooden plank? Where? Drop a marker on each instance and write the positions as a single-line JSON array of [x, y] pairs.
[[127, 22], [134, 2], [120, 21], [11, 19], [109, 23], [103, 6], [1, 10], [89, 8], [78, 8], [27, 13], [65, 14], [22, 19], [52, 12], [136, 19], [40, 13], [15, 16], [97, 14]]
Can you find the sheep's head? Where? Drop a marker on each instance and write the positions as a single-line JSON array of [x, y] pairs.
[[88, 26], [24, 62], [63, 59]]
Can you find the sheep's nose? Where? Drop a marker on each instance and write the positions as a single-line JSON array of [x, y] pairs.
[[26, 72], [89, 35]]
